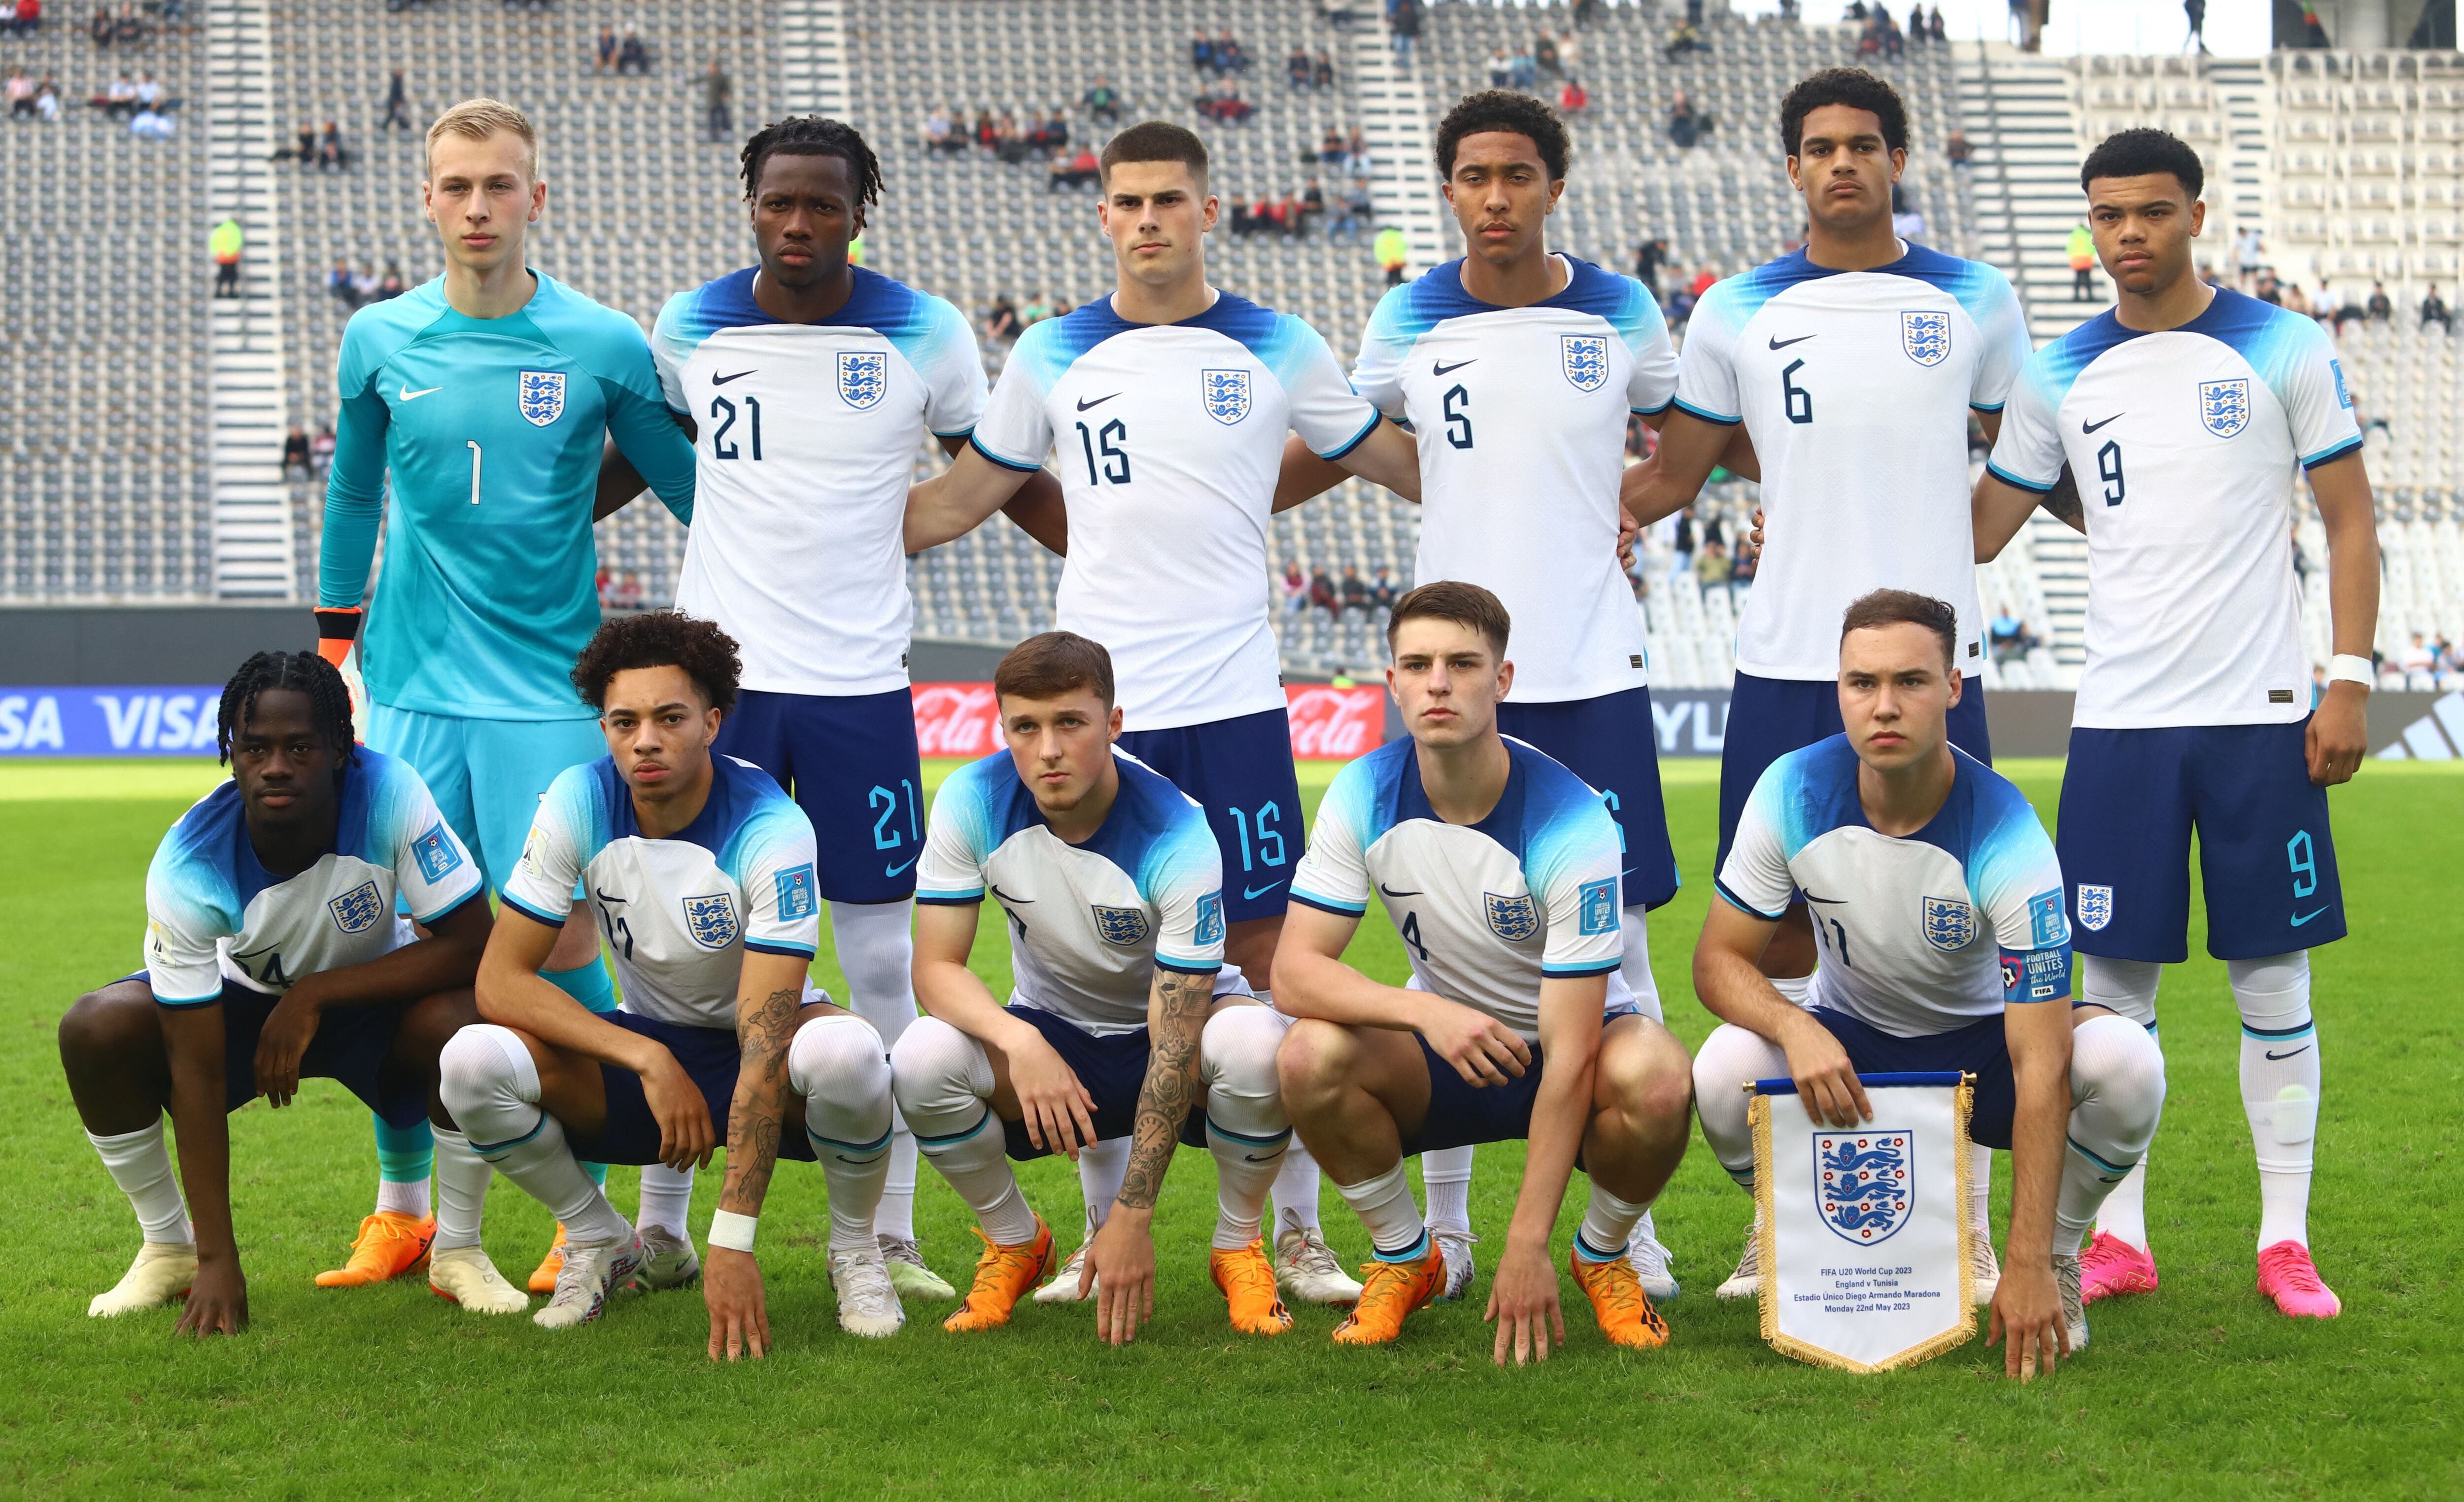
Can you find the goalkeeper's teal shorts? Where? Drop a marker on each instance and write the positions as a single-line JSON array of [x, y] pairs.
[[487, 776]]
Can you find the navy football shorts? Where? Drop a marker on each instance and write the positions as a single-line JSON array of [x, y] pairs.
[[1241, 771], [711, 1055], [2130, 801], [1111, 1066], [1461, 1114], [849, 762], [1611, 743], [1769, 717], [351, 1048], [1977, 1049]]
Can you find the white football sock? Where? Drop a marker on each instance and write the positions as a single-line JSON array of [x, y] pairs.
[[1296, 1190], [402, 1197], [943, 1082], [141, 1165], [1797, 990], [2117, 1097], [2127, 987], [1384, 1205], [876, 950], [1246, 1126], [1102, 1169], [1608, 1224], [1633, 935], [1980, 1187], [491, 1089], [2279, 1087], [1445, 1172], [840, 1067], [461, 1190], [1730, 1057], [667, 1199]]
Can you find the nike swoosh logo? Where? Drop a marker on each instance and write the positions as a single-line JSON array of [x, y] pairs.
[[1006, 898], [604, 897], [892, 870], [1251, 894], [1255, 1159], [409, 395], [1810, 897], [1437, 369], [1083, 403], [2093, 427], [2306, 917], [1392, 893], [2305, 1048], [720, 379], [1783, 343]]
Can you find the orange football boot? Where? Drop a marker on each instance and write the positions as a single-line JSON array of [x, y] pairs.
[[389, 1245], [1248, 1280], [543, 1276], [1004, 1276], [1625, 1316], [1389, 1292]]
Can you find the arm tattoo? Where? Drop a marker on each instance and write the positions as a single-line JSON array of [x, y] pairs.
[[763, 1032], [1170, 1086], [2062, 503]]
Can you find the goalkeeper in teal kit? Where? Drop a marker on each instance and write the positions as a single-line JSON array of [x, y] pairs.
[[487, 396]]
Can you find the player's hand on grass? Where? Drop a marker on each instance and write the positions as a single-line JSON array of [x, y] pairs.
[[1059, 1109], [2339, 735], [1121, 1264], [1523, 1303], [283, 1041], [740, 1322], [2028, 1309], [1483, 1050], [1826, 1081], [217, 1299], [686, 1138]]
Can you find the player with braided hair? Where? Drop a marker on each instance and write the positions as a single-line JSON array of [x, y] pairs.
[[273, 954]]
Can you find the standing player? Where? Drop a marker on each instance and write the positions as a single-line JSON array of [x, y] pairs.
[[1126, 1025], [2182, 411], [1500, 869], [273, 954], [701, 873], [1944, 948], [811, 384], [1167, 403], [1854, 365], [485, 396]]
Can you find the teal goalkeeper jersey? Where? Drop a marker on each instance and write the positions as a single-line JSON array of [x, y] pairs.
[[491, 431]]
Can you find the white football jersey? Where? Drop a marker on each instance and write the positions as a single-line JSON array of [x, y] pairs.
[[1856, 387], [2183, 445], [213, 913], [677, 912], [1486, 910], [1089, 923], [809, 438], [1170, 437], [1921, 934], [1520, 414]]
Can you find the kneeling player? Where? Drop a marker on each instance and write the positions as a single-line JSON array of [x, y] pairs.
[[1500, 869], [702, 872], [1125, 1023], [273, 954], [1918, 861]]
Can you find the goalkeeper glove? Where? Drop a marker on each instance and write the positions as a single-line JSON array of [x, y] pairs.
[[338, 633]]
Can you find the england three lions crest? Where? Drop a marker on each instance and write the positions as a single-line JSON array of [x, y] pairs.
[[356, 911], [2224, 407], [864, 377], [2095, 907], [1866, 1184], [711, 920], [1585, 358], [1123, 928], [541, 396], [1514, 919], [1225, 394], [1925, 337], [1950, 923]]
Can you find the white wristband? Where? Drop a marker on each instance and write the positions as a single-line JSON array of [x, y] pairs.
[[2346, 667], [731, 1231]]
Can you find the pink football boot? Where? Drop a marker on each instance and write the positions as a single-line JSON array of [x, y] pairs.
[[2287, 1276], [2113, 1265]]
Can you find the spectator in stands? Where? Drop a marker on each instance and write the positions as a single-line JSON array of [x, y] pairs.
[[1296, 67], [131, 27], [390, 286], [1295, 586], [225, 244], [1684, 122], [1934, 28], [631, 57], [2080, 248], [1686, 38], [397, 104], [1404, 22], [2196, 11], [100, 28], [1586, 11], [1201, 53], [1648, 259], [1289, 217], [1312, 204], [1544, 55], [937, 129], [2417, 657], [717, 96], [337, 284], [1224, 105], [1382, 592], [2295, 301], [21, 93], [118, 99], [149, 125], [1355, 594], [1907, 220], [1068, 171], [1322, 594], [294, 454], [2249, 253], [1569, 52], [28, 19], [604, 50], [1035, 311], [627, 593], [1102, 101], [2008, 638], [321, 448], [1001, 319], [1573, 98], [1742, 569], [1322, 71], [330, 155], [1712, 567], [1056, 128], [306, 151], [1958, 151], [47, 100], [1247, 218], [1682, 301], [1525, 72], [2433, 310], [1357, 210], [1392, 254], [1501, 67], [2380, 307], [364, 284], [1229, 55], [2348, 311]]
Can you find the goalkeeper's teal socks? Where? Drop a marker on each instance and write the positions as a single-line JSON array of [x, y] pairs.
[[405, 1158], [588, 984]]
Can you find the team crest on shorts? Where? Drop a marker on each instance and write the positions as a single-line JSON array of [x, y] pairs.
[[1925, 337], [1867, 1183], [1514, 919], [1225, 394], [864, 377], [1124, 928], [541, 396], [2224, 405], [1585, 358], [2095, 907], [711, 920], [1950, 923], [356, 911]]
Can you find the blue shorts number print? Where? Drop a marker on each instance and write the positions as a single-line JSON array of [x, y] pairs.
[[487, 776], [711, 1057], [850, 762], [2130, 800], [1241, 771], [1769, 717], [1111, 1066], [1611, 743], [1461, 1114], [351, 1046], [1977, 1049]]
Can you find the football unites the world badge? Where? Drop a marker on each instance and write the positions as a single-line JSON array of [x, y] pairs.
[[1867, 1183], [541, 396]]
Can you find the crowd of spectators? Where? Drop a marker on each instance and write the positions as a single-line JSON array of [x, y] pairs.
[[1006, 135], [139, 102], [1880, 35], [2331, 308], [355, 289], [1350, 598], [612, 54], [1305, 72], [1005, 319], [20, 17], [304, 457]]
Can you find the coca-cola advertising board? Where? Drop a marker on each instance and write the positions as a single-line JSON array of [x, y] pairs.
[[1329, 724]]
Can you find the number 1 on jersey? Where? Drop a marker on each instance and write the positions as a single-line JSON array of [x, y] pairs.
[[474, 468]]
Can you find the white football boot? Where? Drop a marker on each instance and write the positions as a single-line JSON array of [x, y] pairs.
[[1653, 1266], [160, 1273], [1064, 1286], [668, 1260], [1461, 1265], [464, 1276], [589, 1275], [1984, 1269], [1747, 1282], [868, 1301], [1307, 1272], [909, 1273]]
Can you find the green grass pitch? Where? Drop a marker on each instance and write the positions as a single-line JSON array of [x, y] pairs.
[[2198, 1391]]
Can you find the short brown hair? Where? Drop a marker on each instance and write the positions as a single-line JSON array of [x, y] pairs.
[[1055, 663], [661, 639], [1156, 141], [476, 120], [1453, 599], [1905, 608]]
